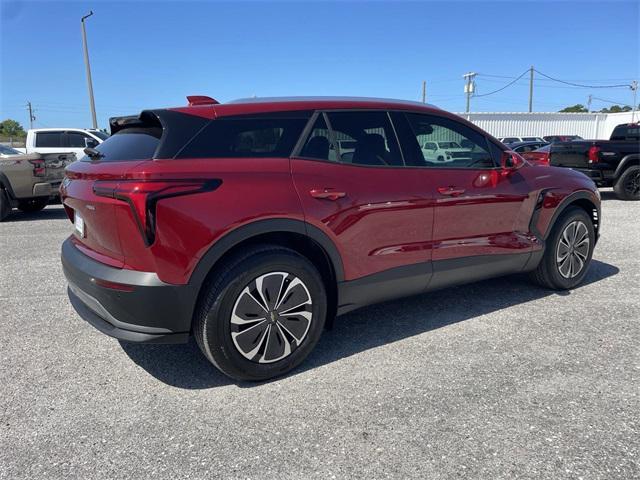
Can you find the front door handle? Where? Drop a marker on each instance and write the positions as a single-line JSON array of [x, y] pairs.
[[326, 194], [451, 191]]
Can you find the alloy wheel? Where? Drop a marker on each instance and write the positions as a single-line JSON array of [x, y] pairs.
[[573, 249], [632, 184], [271, 317]]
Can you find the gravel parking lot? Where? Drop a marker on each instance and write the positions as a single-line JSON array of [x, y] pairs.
[[498, 379]]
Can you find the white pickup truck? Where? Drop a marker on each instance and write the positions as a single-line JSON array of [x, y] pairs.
[[62, 140]]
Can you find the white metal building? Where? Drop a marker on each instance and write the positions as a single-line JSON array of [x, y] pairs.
[[521, 124]]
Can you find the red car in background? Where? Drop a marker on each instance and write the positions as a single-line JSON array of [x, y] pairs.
[[251, 224], [539, 156]]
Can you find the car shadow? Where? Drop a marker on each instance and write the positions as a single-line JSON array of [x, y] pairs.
[[184, 366], [52, 212], [608, 195]]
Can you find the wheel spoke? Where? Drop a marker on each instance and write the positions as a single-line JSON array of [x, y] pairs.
[[565, 266], [271, 317]]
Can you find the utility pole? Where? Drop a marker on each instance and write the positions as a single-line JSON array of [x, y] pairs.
[[424, 91], [634, 87], [32, 117], [88, 67], [589, 99], [531, 89], [469, 87]]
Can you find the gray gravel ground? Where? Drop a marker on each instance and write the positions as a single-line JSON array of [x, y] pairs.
[[499, 379]]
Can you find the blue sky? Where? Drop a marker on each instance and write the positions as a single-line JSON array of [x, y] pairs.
[[153, 54]]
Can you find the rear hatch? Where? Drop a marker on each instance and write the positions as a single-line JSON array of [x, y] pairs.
[[570, 154], [103, 193], [55, 165]]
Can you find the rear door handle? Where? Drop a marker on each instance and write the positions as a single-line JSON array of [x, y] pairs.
[[326, 194], [451, 191]]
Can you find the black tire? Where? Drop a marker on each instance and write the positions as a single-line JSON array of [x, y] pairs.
[[33, 205], [627, 187], [224, 294], [5, 205], [549, 272]]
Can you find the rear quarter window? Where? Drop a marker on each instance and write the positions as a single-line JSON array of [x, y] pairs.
[[130, 144], [265, 135]]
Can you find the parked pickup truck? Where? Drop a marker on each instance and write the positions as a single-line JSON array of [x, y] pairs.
[[28, 181], [609, 163], [62, 140]]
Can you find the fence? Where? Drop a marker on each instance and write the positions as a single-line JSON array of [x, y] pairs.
[[587, 125]]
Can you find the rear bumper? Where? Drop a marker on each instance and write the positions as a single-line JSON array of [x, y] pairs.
[[149, 311]]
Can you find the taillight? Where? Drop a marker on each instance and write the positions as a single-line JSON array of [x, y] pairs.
[[544, 158], [594, 154], [39, 169], [143, 195]]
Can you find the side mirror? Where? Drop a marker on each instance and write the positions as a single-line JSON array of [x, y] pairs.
[[90, 143], [510, 162]]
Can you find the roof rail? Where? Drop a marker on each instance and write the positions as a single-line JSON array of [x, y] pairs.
[[201, 100]]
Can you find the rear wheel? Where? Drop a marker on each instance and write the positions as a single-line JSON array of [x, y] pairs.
[[5, 205], [568, 251], [262, 313], [627, 187], [32, 205]]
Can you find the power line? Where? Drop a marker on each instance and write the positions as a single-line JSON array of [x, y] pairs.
[[580, 85], [506, 86], [609, 101]]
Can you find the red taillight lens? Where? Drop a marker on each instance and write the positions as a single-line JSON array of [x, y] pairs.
[[594, 154], [142, 196], [39, 169]]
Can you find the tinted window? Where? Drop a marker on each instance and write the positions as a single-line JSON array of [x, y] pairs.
[[626, 132], [365, 138], [319, 144], [130, 144], [101, 135], [8, 151], [510, 140], [272, 135], [458, 145], [529, 139], [49, 139], [76, 140]]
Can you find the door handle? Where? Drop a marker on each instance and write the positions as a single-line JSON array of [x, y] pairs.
[[326, 194], [451, 191]]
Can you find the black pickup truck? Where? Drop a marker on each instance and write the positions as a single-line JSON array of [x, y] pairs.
[[609, 163]]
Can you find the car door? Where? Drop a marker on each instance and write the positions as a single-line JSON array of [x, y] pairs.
[[375, 208], [480, 215], [78, 141]]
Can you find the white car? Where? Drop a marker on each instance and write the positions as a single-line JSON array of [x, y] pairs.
[[63, 140], [444, 151]]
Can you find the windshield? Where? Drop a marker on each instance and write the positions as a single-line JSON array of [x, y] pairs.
[[8, 151]]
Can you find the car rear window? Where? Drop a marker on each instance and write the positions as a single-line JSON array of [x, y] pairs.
[[49, 139], [264, 135], [626, 132], [130, 144]]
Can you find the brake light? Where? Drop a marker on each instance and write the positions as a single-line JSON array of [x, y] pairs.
[[143, 195], [39, 169], [594, 154]]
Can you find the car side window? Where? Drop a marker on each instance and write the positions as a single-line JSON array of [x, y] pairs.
[[365, 138], [77, 140], [49, 139], [457, 145], [319, 144]]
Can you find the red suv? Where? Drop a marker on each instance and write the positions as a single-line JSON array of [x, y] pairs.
[[251, 224]]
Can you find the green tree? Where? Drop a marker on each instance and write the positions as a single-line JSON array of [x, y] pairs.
[[12, 129], [577, 108], [616, 109]]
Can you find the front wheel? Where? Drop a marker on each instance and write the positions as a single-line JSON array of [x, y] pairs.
[[627, 187], [262, 313], [33, 205], [568, 251]]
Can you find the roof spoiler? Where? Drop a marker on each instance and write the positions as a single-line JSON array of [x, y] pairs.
[[201, 100]]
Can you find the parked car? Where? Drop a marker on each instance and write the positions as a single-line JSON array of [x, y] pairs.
[[8, 151], [561, 138], [609, 163], [28, 181], [444, 151], [231, 223], [539, 156], [62, 140], [523, 147], [510, 140]]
